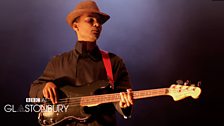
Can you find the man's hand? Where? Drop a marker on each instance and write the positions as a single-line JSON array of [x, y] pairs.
[[126, 99], [49, 92]]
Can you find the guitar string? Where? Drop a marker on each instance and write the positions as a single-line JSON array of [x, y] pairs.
[[114, 94], [71, 98], [87, 96], [77, 100]]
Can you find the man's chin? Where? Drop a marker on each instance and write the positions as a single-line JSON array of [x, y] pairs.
[[96, 36]]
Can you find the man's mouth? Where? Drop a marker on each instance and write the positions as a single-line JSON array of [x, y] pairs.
[[96, 32]]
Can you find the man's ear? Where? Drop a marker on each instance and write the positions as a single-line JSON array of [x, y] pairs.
[[75, 26]]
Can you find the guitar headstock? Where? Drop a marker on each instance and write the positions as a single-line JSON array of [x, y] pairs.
[[179, 91]]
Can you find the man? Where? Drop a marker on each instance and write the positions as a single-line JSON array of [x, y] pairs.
[[84, 65]]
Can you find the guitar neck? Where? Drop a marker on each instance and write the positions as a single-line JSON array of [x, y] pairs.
[[150, 93], [115, 97]]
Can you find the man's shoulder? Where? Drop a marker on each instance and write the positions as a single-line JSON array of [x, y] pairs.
[[62, 56], [111, 54], [115, 57]]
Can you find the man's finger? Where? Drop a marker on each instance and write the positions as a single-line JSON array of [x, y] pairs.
[[130, 96], [51, 95], [126, 99], [55, 95], [122, 101], [45, 93]]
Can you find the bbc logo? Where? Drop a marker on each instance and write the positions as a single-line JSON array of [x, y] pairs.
[[28, 100]]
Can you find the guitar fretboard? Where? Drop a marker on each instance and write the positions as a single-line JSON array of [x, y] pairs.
[[115, 97]]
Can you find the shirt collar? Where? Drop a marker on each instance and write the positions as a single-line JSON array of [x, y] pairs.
[[88, 49]]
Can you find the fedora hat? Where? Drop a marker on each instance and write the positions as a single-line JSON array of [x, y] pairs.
[[83, 7]]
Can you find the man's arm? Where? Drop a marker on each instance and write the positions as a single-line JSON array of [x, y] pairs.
[[123, 85], [44, 86]]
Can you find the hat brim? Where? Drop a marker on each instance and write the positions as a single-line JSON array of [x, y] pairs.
[[74, 14]]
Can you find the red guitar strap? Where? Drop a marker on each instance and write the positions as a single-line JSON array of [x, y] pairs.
[[108, 67]]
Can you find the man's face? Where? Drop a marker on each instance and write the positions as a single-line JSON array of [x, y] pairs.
[[88, 27]]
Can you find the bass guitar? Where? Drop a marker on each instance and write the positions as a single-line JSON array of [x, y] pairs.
[[77, 99]]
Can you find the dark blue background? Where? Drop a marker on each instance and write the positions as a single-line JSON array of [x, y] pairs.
[[160, 42]]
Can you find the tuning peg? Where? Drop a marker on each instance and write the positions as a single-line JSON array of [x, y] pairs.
[[199, 83], [179, 82], [187, 82]]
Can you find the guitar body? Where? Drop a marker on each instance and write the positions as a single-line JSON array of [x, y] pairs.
[[74, 112]]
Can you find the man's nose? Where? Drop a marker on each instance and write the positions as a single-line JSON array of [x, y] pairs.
[[96, 24]]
